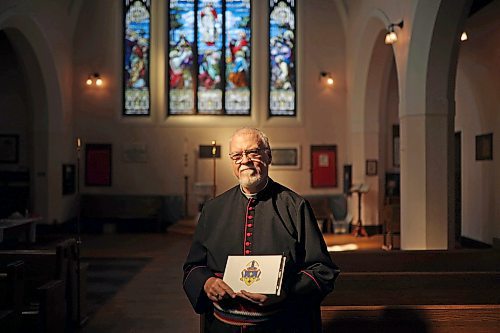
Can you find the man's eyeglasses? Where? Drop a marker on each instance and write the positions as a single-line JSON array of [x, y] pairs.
[[237, 157]]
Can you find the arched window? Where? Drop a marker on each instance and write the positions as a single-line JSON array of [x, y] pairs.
[[209, 47], [137, 32], [209, 57], [282, 64]]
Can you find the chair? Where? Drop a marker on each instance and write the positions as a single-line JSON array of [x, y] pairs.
[[341, 226], [323, 213]]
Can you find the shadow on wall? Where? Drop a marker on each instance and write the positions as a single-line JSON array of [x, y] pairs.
[[388, 321]]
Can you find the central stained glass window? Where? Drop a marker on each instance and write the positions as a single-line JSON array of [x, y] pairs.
[[209, 56]]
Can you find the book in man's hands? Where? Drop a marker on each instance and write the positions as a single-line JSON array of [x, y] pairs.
[[255, 274]]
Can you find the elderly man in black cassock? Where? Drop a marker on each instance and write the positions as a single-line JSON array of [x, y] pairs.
[[258, 217]]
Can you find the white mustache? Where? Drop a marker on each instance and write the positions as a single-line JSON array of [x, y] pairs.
[[253, 169]]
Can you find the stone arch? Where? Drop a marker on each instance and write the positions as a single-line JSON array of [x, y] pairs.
[[44, 105], [369, 94], [381, 71], [427, 126], [342, 12]]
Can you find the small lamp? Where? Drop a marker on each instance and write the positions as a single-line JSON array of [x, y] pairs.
[[94, 79], [391, 37], [464, 36], [327, 78]]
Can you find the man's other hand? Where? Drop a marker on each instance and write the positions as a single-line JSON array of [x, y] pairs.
[[261, 299], [216, 289]]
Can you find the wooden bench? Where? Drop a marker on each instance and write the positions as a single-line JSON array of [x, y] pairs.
[[49, 302], [44, 313], [415, 288], [409, 319], [144, 212], [418, 261], [11, 295], [415, 291], [444, 302]]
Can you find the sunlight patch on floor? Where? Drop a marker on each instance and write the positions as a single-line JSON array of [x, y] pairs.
[[343, 247]]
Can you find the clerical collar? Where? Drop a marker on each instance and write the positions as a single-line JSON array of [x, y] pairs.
[[253, 195]]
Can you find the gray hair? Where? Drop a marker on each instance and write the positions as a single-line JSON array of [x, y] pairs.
[[261, 135]]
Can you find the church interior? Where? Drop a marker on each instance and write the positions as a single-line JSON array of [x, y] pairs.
[[115, 126]]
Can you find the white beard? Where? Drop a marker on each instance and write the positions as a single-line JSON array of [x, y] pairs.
[[249, 180]]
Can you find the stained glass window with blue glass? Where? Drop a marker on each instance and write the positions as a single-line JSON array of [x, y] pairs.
[[209, 57], [282, 65], [137, 32], [181, 65], [238, 36]]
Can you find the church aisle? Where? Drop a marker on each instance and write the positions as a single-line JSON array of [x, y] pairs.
[[153, 300]]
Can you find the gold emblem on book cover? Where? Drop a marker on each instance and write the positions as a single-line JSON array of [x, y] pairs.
[[251, 273]]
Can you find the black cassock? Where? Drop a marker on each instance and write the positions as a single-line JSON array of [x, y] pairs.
[[276, 221]]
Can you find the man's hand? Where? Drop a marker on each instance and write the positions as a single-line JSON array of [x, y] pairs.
[[216, 289], [262, 300]]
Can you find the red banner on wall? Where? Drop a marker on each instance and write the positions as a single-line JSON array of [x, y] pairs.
[[324, 166], [98, 165]]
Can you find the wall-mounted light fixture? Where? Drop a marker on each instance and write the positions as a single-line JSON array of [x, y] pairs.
[[391, 37], [94, 79], [464, 36], [326, 78]]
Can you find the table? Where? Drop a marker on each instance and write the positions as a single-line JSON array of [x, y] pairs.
[[19, 226]]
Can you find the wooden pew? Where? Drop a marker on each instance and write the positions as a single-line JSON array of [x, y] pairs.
[[49, 303], [415, 288], [415, 291], [418, 261], [412, 319], [11, 296], [144, 212], [51, 312]]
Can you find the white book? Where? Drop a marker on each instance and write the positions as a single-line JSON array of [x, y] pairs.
[[255, 274]]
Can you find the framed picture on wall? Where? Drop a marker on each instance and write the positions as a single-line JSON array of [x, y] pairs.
[[371, 167], [98, 164], [9, 148], [286, 156], [324, 166], [207, 151], [484, 147]]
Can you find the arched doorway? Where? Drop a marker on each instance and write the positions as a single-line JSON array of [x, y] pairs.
[[25, 116], [16, 135], [381, 115]]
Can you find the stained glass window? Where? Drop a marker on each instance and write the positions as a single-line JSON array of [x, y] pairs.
[[137, 32], [209, 57], [282, 65], [238, 34]]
